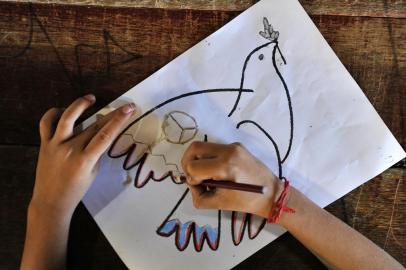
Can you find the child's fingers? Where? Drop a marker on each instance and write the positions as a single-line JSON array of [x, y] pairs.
[[209, 168], [198, 150], [86, 135], [204, 199], [71, 114], [47, 122], [103, 139]]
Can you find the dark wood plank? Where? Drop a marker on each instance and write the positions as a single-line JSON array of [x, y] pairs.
[[49, 73], [374, 8], [17, 172], [377, 209], [369, 8]]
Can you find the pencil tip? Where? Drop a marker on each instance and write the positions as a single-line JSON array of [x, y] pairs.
[[180, 179]]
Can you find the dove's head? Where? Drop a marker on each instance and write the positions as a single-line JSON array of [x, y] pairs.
[[265, 54], [265, 50]]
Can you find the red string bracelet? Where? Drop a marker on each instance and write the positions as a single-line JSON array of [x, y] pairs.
[[279, 206]]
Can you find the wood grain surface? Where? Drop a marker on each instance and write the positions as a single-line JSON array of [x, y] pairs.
[[376, 8], [52, 53], [81, 49]]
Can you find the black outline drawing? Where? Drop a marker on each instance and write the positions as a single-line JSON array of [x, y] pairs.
[[272, 36], [140, 163], [247, 222], [181, 139], [198, 243], [149, 147]]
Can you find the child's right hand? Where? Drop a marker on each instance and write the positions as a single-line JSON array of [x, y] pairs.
[[232, 162]]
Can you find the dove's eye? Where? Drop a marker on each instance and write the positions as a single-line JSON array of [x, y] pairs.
[[261, 57]]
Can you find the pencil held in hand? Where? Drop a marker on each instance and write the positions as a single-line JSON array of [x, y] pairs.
[[233, 185], [209, 183]]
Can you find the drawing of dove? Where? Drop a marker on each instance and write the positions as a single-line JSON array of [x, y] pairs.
[[153, 142]]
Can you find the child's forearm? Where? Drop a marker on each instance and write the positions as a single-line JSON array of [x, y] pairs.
[[337, 244], [46, 239]]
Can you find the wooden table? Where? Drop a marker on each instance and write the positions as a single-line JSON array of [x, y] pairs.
[[52, 53]]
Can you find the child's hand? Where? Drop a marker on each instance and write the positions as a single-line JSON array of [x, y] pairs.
[[233, 162], [68, 162]]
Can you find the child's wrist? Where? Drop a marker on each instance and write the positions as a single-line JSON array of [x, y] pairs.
[[294, 200], [40, 210], [279, 206], [274, 189]]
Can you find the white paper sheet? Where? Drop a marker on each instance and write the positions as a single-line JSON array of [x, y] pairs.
[[330, 138]]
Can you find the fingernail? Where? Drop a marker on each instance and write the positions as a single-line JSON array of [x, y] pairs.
[[90, 97], [129, 108]]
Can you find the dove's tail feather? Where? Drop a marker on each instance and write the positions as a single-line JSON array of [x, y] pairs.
[[240, 221], [185, 231]]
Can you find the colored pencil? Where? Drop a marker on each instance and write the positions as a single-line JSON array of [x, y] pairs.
[[209, 183], [234, 186]]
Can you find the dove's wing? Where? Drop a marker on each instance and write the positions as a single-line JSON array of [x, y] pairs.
[[136, 145], [147, 163]]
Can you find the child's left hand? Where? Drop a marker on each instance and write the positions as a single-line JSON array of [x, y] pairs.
[[68, 162]]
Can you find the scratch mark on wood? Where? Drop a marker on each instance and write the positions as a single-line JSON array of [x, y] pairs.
[[344, 207], [390, 229], [5, 35], [396, 239], [356, 207]]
